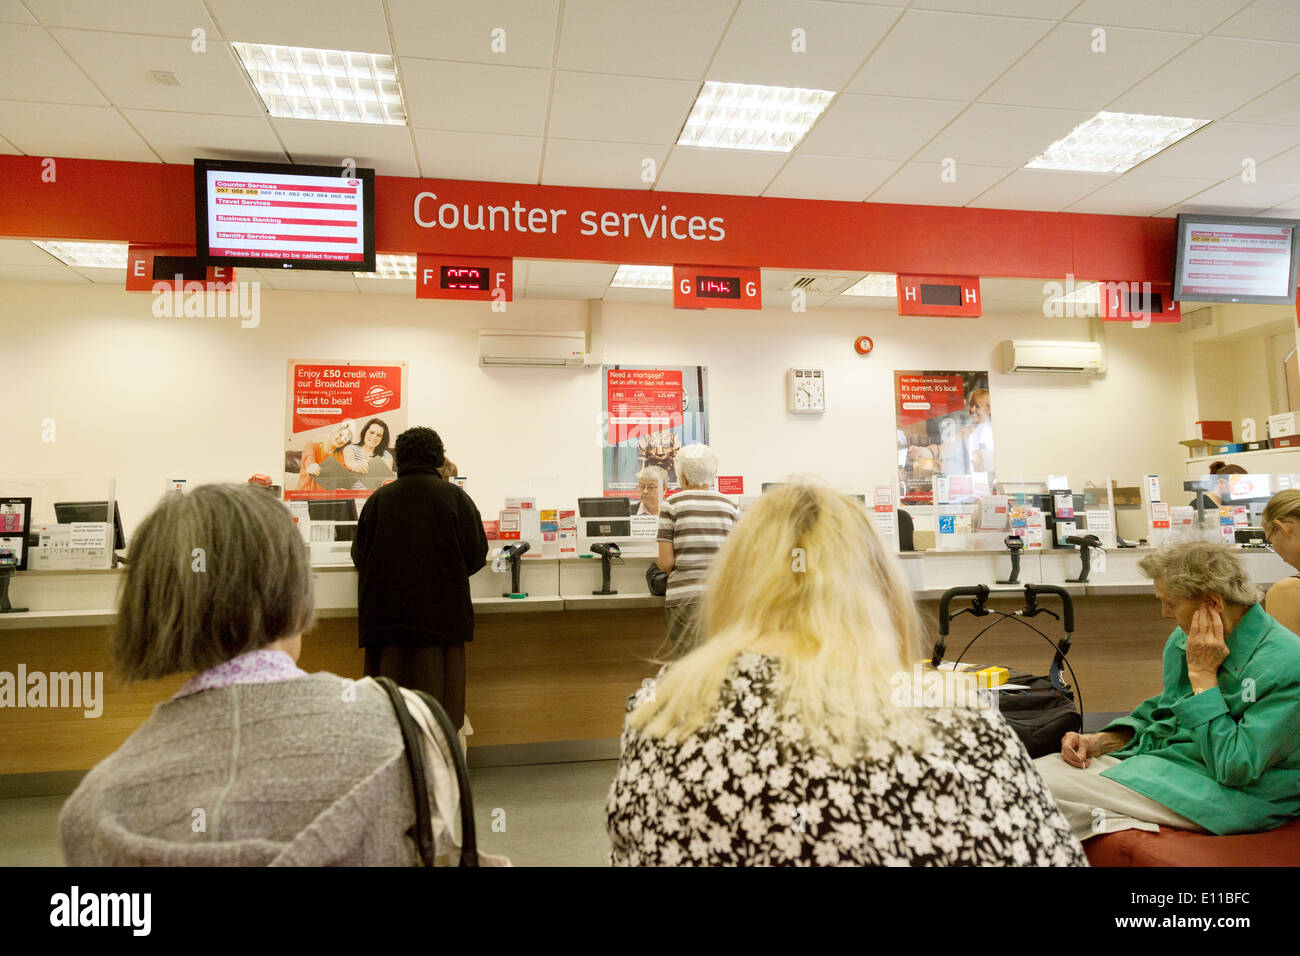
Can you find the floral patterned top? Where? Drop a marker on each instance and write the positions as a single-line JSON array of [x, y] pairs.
[[748, 790]]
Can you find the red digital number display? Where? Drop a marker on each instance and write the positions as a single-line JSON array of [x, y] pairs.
[[717, 287], [475, 278]]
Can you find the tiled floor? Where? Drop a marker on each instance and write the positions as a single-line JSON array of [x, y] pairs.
[[540, 815]]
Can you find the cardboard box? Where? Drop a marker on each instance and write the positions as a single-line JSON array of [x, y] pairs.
[[1214, 431], [1280, 426], [1231, 449], [1255, 445], [1291, 441]]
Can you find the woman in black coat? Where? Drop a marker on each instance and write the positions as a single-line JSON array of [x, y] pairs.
[[419, 538]]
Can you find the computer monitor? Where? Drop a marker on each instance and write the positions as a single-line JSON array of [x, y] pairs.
[[612, 507], [70, 512], [333, 510]]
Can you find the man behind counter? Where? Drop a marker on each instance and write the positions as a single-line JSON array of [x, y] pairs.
[[418, 541]]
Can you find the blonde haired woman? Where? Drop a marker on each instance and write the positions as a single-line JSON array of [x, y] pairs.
[[781, 738], [1281, 521]]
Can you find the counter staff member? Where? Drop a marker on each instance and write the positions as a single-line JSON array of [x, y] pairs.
[[1220, 485], [650, 484], [418, 541]]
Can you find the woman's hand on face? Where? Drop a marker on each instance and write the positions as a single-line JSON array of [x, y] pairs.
[[1206, 648]]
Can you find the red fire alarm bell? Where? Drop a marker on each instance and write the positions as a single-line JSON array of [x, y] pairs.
[[864, 345]]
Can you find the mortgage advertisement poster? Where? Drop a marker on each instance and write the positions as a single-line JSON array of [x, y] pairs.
[[945, 430], [649, 414], [341, 421]]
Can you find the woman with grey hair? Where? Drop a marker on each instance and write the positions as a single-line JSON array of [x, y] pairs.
[[693, 523], [253, 761], [651, 483], [1218, 749]]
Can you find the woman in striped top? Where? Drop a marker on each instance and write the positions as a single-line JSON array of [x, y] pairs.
[[693, 523]]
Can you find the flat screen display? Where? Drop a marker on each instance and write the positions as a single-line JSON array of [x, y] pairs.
[[271, 215], [940, 294], [717, 287], [1236, 259], [476, 278]]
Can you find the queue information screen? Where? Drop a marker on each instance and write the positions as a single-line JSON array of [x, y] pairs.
[[1236, 259], [306, 217]]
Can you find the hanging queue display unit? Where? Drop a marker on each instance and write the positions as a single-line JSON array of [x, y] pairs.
[[939, 295], [717, 287], [483, 278]]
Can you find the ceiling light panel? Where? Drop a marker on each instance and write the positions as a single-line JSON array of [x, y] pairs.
[[338, 85], [882, 284], [742, 116], [91, 255], [1114, 142], [643, 277], [390, 267]]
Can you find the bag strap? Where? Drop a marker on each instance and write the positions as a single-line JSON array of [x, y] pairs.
[[415, 765], [468, 836]]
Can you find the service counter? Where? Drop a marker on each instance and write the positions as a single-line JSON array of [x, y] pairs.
[[548, 675]]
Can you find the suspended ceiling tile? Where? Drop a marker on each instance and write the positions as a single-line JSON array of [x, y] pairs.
[[656, 296], [922, 184], [725, 171], [946, 56], [182, 137], [1043, 189], [404, 287], [386, 149], [1280, 106], [619, 109], [120, 65], [33, 67], [454, 30], [13, 11], [571, 162], [878, 127], [1217, 151], [1187, 16], [27, 273], [1064, 70], [115, 277], [1211, 78], [1265, 20], [475, 97], [80, 132], [355, 25], [574, 292], [991, 135], [672, 39], [24, 252], [830, 177], [1237, 198], [486, 157], [1281, 169], [550, 272], [173, 18], [1131, 195], [758, 46], [307, 280], [1051, 9]]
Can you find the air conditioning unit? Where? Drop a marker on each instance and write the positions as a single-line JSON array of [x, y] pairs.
[[1073, 358], [533, 348]]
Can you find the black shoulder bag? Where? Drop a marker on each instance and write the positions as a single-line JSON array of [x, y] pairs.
[[420, 783]]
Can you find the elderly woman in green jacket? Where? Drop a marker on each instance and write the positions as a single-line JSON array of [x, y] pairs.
[[1218, 749]]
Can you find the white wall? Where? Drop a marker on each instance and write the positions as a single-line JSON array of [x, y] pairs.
[[144, 399]]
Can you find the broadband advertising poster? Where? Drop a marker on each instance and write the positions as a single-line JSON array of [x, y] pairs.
[[342, 419], [650, 414], [945, 430]]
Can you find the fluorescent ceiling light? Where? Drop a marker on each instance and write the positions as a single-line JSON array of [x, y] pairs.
[[643, 277], [1114, 142], [390, 267], [882, 284], [302, 83], [88, 255], [741, 116]]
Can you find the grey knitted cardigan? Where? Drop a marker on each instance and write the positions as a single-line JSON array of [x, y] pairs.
[[281, 774]]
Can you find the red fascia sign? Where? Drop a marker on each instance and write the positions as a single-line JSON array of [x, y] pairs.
[[140, 266], [153, 203], [1129, 302], [939, 295], [440, 276], [717, 287]]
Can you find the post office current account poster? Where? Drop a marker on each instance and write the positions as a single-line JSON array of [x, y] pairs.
[[341, 421], [650, 414]]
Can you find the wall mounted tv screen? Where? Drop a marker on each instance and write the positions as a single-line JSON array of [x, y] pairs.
[[1236, 259], [279, 216]]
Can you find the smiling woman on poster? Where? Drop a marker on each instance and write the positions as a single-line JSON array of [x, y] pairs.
[[979, 433], [317, 451], [369, 457]]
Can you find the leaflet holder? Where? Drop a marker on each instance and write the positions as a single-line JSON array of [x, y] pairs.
[[514, 552], [609, 552]]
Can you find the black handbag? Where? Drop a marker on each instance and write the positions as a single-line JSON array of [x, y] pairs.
[[1046, 712], [419, 782], [656, 579]]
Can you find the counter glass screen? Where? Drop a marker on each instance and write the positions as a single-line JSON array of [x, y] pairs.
[[717, 287], [465, 277]]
